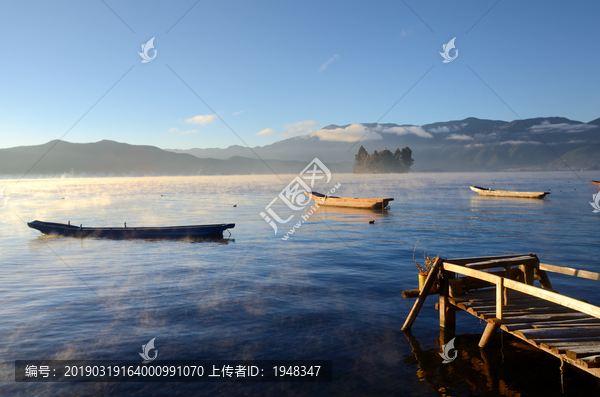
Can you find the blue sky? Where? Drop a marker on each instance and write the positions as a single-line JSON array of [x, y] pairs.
[[286, 67]]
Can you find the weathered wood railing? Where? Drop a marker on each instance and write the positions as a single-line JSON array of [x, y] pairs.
[[570, 271], [503, 283]]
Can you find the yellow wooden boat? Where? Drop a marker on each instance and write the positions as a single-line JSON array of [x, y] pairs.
[[507, 193], [334, 201]]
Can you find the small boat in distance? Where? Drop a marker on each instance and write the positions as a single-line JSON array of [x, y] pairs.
[[595, 183], [334, 201], [506, 193], [167, 232]]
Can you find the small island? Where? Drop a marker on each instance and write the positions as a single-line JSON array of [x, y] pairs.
[[382, 162]]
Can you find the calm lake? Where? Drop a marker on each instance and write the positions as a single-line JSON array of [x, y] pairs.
[[331, 291]]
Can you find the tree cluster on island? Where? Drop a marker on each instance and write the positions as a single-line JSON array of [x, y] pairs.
[[382, 162]]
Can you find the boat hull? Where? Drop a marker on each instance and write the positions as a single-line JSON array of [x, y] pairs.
[[168, 232], [506, 193], [349, 202]]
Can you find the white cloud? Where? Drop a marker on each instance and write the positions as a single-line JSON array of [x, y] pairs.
[[267, 131], [351, 133], [174, 130], [545, 126], [407, 32], [297, 131], [299, 128], [445, 129], [504, 143], [202, 120], [486, 137], [236, 113], [355, 132], [440, 130], [302, 124], [189, 132], [460, 137], [416, 130], [519, 143], [324, 66]]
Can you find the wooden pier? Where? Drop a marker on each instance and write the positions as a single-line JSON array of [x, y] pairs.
[[565, 327]]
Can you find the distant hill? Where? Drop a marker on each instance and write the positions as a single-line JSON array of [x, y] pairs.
[[470, 144], [108, 158]]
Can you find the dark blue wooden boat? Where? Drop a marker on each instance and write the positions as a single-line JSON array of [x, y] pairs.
[[167, 232]]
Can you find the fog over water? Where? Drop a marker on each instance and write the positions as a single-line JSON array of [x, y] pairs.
[[331, 291]]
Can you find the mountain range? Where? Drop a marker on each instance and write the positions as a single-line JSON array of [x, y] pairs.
[[545, 143], [109, 158]]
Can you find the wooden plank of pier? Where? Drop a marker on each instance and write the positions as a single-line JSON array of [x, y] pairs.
[[563, 332]]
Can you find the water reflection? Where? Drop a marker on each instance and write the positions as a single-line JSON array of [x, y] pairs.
[[506, 367], [352, 215], [484, 201], [55, 239]]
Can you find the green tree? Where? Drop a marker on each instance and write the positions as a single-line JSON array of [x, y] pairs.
[[406, 157], [387, 161], [384, 161], [373, 163], [360, 161]]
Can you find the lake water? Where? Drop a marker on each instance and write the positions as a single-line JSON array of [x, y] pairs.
[[331, 291]]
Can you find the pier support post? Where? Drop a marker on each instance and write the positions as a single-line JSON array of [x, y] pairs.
[[412, 316], [447, 310], [528, 273], [507, 274], [500, 298], [490, 330], [544, 280]]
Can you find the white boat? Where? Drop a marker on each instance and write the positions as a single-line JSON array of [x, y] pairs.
[[507, 193], [334, 201]]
